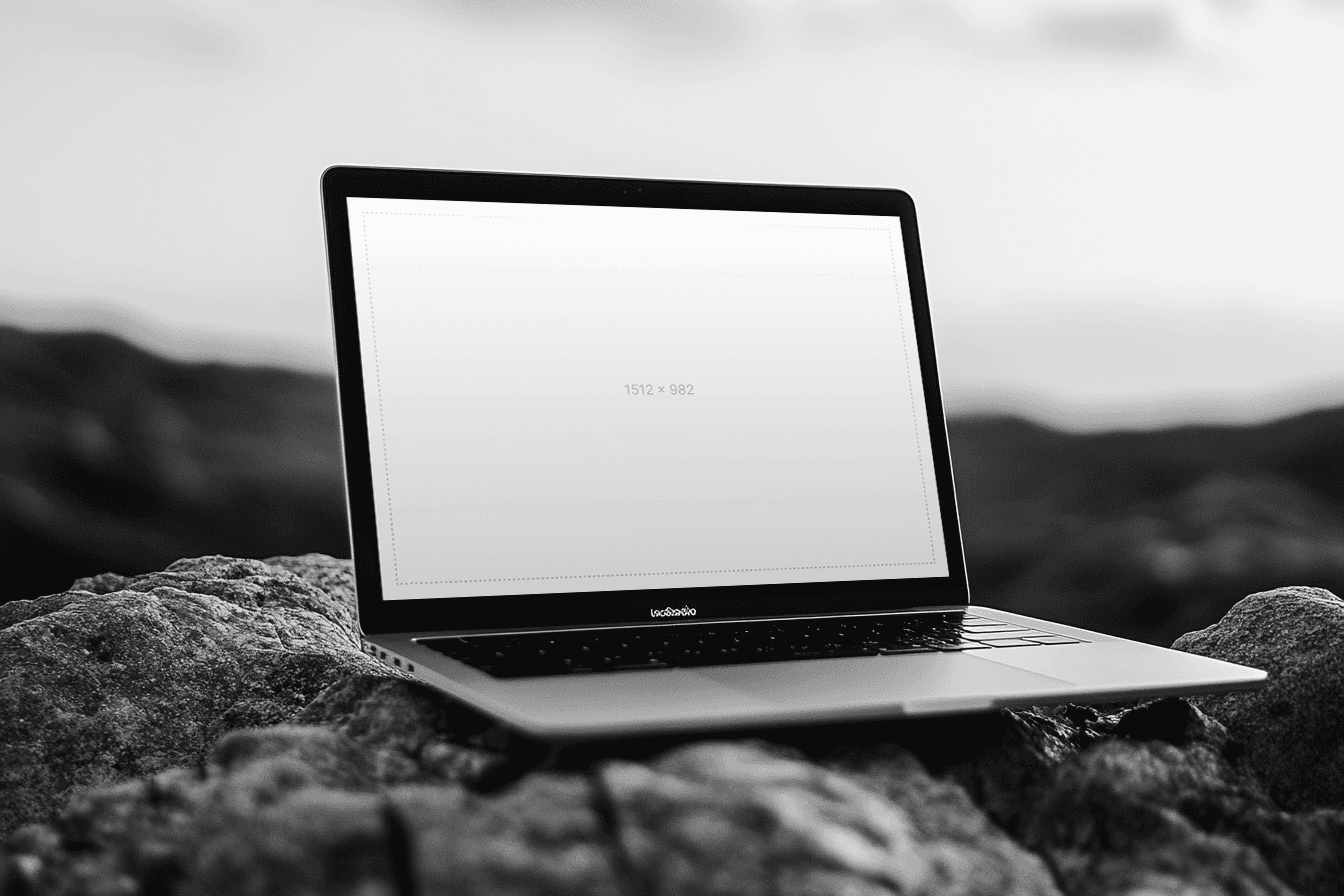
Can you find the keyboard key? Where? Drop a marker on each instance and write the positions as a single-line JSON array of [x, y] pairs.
[[1052, 639], [1010, 642], [990, 636], [960, 645], [833, 653]]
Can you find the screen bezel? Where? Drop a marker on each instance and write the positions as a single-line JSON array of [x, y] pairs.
[[539, 611]]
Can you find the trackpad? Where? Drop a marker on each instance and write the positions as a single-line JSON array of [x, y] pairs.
[[945, 679]]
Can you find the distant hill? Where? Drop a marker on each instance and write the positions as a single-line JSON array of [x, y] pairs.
[[1148, 534], [114, 459]]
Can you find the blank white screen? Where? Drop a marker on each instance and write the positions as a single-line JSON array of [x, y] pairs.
[[568, 398]]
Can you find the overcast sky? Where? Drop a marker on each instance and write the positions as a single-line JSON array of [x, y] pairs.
[[1131, 211]]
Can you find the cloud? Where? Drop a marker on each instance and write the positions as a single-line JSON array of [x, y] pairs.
[[160, 30], [1113, 28], [674, 24], [1108, 28]]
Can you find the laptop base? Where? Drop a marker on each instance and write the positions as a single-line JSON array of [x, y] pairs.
[[853, 689]]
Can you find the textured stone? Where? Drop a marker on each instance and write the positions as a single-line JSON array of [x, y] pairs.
[[546, 835], [412, 734], [301, 809], [1003, 760], [1293, 729], [145, 673], [542, 837], [742, 819], [334, 577], [1168, 796], [1114, 821], [1169, 803], [338, 778]]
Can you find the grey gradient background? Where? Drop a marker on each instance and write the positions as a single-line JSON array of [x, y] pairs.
[[1128, 205]]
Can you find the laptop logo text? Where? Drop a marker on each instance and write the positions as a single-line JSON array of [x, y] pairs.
[[672, 611]]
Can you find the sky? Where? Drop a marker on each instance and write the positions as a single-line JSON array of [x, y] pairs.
[[1130, 209]]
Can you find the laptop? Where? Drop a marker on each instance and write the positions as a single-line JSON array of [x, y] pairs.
[[630, 457]]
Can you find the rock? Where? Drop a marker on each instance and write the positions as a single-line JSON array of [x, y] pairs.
[[1305, 849], [1154, 797], [299, 809], [738, 818], [215, 729], [414, 735], [1120, 817], [542, 837], [294, 809], [1005, 761], [334, 577], [103, 583], [1292, 728], [149, 673], [341, 803], [1167, 803], [302, 809]]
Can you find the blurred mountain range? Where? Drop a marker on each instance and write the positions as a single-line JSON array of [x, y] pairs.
[[114, 459], [1148, 534]]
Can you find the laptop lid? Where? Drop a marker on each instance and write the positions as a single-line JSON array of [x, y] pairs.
[[589, 401]]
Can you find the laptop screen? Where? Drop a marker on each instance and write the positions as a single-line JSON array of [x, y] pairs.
[[573, 398]]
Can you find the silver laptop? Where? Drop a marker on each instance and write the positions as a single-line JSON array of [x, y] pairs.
[[633, 456]]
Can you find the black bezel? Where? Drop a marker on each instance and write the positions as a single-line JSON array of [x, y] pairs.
[[613, 607]]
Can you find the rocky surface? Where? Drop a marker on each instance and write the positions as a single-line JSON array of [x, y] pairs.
[[341, 779], [122, 678], [1293, 729]]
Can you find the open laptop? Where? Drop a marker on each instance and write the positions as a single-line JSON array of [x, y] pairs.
[[636, 456]]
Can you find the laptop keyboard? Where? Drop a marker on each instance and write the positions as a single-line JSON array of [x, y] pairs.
[[718, 644]]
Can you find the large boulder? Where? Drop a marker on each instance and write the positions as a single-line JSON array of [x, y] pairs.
[[1293, 728], [412, 734], [122, 678], [741, 818], [380, 787], [1162, 807], [303, 809], [385, 789], [232, 738], [1154, 798]]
